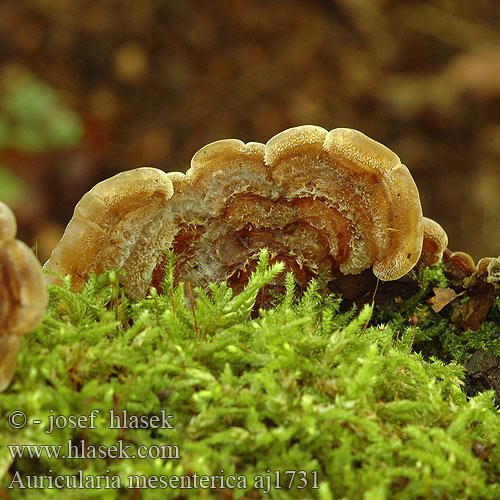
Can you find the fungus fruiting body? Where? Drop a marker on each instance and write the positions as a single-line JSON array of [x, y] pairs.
[[434, 243], [23, 295], [327, 203]]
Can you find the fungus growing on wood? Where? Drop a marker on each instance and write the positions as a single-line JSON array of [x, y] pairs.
[[458, 266], [23, 295], [322, 202]]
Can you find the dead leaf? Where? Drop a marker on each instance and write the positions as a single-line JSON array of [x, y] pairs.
[[442, 297]]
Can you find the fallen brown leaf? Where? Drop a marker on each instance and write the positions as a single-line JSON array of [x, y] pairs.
[[442, 297]]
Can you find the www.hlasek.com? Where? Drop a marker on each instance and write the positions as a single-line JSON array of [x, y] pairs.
[[276, 479]]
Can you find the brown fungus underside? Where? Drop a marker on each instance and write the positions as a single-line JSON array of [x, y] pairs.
[[333, 203], [23, 295]]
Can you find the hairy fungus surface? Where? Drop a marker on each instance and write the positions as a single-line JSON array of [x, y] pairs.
[[23, 296], [332, 202], [121, 223]]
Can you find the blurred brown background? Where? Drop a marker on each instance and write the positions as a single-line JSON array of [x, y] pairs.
[[92, 87]]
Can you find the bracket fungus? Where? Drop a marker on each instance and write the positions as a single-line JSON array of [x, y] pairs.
[[323, 202], [23, 295], [479, 283], [434, 243]]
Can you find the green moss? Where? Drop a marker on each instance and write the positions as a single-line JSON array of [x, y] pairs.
[[301, 387]]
